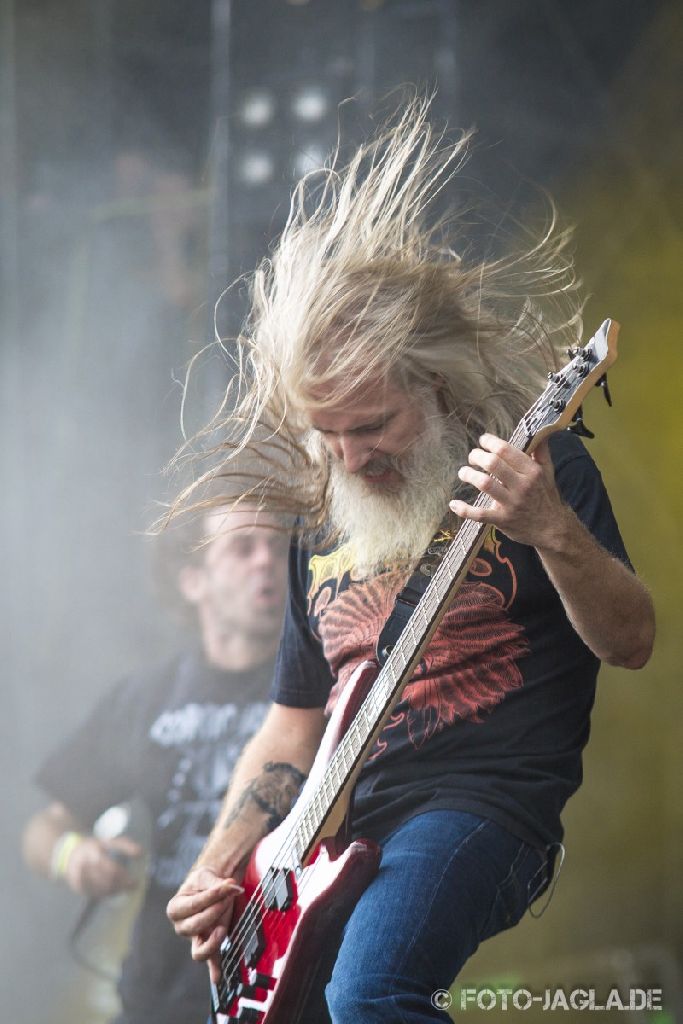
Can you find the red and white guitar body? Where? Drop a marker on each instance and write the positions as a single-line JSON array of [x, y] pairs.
[[288, 912]]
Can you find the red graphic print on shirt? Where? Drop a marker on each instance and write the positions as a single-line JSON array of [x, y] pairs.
[[471, 662]]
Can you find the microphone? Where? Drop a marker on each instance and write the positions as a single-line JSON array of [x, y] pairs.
[[111, 824]]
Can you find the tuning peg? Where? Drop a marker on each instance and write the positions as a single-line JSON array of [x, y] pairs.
[[602, 383], [578, 426]]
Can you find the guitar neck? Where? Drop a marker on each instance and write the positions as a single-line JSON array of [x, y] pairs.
[[553, 410], [385, 693]]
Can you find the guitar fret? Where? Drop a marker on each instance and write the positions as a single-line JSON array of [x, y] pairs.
[[302, 834], [419, 613], [380, 698], [403, 646]]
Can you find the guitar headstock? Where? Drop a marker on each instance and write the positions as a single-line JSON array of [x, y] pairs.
[[558, 405]]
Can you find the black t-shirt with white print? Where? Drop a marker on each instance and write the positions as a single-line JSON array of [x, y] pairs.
[[170, 738], [494, 720]]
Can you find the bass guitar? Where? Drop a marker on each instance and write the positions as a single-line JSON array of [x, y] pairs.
[[304, 878]]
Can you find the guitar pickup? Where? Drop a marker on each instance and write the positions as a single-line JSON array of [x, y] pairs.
[[278, 889], [254, 947]]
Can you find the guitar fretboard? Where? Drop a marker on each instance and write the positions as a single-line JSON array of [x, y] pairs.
[[400, 664], [558, 403]]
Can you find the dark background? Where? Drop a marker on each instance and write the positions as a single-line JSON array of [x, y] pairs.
[[146, 156]]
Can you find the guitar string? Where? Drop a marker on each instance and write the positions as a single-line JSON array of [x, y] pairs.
[[257, 905]]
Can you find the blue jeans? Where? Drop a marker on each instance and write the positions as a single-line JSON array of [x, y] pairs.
[[447, 881]]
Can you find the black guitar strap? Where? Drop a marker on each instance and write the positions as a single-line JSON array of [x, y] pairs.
[[408, 597]]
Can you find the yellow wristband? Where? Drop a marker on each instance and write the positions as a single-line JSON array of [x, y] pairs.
[[61, 852]]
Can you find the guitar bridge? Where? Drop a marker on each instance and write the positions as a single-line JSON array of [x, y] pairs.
[[223, 994]]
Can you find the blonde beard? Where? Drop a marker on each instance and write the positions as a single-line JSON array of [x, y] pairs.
[[393, 528]]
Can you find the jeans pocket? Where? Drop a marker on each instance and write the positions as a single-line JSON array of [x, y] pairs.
[[525, 880]]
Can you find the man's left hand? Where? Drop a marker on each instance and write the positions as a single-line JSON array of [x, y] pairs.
[[525, 502]]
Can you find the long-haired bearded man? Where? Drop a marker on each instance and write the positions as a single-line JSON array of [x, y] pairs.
[[381, 371]]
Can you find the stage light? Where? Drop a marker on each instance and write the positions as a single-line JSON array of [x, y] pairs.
[[257, 108], [310, 104], [312, 158], [256, 168]]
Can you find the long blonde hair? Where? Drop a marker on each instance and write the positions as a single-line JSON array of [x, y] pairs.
[[360, 287]]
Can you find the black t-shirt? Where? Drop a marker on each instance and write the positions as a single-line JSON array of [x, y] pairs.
[[495, 717], [170, 738]]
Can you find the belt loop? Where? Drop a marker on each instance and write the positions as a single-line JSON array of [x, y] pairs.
[[552, 882]]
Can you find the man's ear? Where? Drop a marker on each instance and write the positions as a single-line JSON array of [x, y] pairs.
[[191, 583]]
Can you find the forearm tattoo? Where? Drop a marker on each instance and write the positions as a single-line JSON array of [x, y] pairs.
[[273, 792]]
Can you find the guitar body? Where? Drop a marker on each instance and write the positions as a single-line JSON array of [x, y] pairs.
[[270, 959]]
